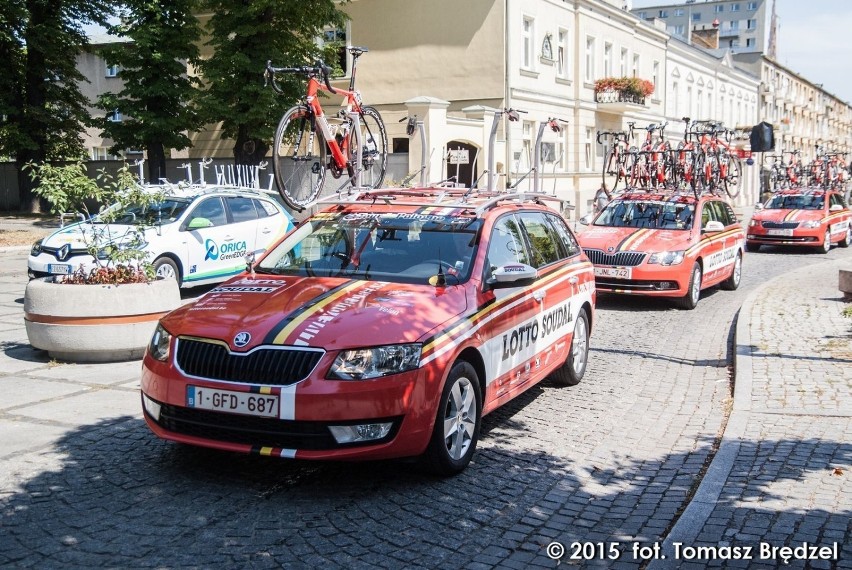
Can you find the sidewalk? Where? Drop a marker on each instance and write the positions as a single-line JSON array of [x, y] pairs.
[[783, 473]]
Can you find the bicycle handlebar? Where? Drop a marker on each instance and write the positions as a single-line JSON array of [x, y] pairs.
[[318, 69]]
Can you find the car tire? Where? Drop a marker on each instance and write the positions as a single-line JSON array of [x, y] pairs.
[[847, 240], [457, 422], [733, 281], [752, 247], [693, 289], [167, 268], [825, 246], [570, 373]]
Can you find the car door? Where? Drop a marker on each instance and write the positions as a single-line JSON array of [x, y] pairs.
[[723, 245], [271, 224], [510, 329], [244, 221], [211, 251]]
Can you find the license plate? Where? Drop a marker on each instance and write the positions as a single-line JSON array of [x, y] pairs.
[[230, 402], [779, 232], [615, 272], [58, 269]]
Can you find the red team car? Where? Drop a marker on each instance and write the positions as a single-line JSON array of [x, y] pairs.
[[385, 326], [665, 245], [799, 216]]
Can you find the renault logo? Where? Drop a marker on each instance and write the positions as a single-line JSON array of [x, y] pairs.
[[62, 252], [242, 339]]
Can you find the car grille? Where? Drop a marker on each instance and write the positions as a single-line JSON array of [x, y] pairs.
[[621, 258], [276, 367], [259, 432], [780, 225], [54, 251]]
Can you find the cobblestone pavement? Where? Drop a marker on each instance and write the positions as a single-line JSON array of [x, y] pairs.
[[616, 459], [785, 466]]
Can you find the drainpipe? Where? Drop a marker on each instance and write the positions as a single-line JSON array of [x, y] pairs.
[[508, 93]]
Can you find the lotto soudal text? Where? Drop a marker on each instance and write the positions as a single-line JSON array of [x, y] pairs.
[[528, 334]]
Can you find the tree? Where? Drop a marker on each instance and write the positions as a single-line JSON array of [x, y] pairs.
[[244, 34], [45, 111], [157, 98]]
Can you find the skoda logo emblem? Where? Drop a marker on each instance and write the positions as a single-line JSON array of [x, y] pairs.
[[62, 252], [610, 249], [242, 339]]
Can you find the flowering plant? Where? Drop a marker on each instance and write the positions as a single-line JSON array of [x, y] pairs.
[[113, 237], [628, 85]]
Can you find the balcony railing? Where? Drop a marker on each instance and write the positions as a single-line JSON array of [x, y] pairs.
[[613, 96]]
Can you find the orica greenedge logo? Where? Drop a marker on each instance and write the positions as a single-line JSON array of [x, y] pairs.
[[229, 250]]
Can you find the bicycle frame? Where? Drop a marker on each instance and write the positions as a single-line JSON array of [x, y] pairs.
[[353, 108]]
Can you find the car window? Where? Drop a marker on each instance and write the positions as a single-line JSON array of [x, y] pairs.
[[506, 245], [796, 202], [836, 199], [544, 243], [569, 242], [242, 209], [394, 247], [211, 209], [721, 212], [706, 214], [264, 208]]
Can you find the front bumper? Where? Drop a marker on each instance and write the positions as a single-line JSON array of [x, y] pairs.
[[647, 279], [45, 265], [797, 236], [406, 401]]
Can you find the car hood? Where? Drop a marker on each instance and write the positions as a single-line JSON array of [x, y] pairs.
[[81, 234], [326, 313], [613, 239], [785, 215]]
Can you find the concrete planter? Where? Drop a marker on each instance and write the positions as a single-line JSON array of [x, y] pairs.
[[95, 323], [845, 283]]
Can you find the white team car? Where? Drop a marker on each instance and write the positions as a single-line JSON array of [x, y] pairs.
[[197, 235]]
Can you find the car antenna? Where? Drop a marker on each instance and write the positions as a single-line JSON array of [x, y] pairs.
[[440, 278]]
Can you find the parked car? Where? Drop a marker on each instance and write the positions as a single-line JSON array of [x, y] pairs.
[[665, 245], [801, 216], [197, 235], [384, 326]]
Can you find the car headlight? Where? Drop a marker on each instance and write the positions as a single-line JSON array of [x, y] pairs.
[[812, 224], [366, 363], [36, 249], [159, 345], [667, 257]]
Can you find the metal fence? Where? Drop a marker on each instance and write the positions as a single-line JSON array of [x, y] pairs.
[[213, 171]]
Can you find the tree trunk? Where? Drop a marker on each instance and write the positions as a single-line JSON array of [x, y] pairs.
[[28, 201], [156, 162], [248, 150]]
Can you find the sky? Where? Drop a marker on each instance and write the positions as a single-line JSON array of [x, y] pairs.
[[812, 38]]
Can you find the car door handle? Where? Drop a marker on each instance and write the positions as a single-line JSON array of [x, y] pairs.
[[539, 296], [266, 231], [573, 280]]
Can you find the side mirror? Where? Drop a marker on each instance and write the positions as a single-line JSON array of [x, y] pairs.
[[586, 220], [836, 208], [199, 223], [250, 262], [512, 275], [758, 206], [714, 226]]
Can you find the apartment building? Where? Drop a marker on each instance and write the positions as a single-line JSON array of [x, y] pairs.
[[743, 26]]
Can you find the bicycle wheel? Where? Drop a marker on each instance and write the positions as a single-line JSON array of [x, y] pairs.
[[732, 182], [298, 158], [374, 148]]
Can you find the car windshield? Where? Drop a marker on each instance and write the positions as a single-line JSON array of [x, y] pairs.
[[668, 215], [795, 202], [165, 212], [395, 247]]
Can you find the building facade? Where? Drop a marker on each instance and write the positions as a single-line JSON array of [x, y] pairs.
[[456, 66]]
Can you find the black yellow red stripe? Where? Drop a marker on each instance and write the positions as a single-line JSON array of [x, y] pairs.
[[286, 326]]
